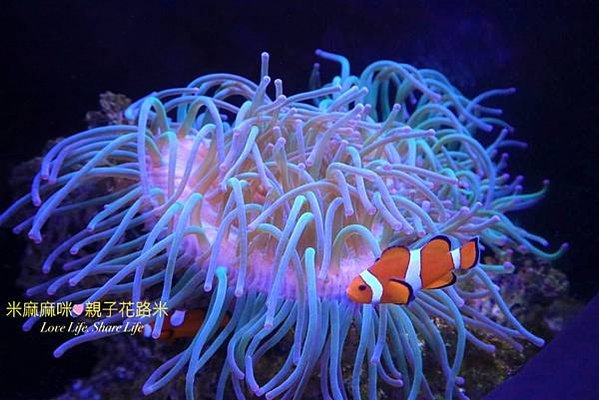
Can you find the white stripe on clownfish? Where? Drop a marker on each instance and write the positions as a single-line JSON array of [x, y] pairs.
[[456, 257], [374, 284], [413, 277]]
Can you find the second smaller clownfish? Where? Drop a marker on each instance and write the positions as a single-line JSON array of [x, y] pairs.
[[181, 324], [400, 273]]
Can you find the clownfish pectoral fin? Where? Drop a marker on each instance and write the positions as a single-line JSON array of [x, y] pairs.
[[438, 244], [398, 292], [470, 254], [445, 281]]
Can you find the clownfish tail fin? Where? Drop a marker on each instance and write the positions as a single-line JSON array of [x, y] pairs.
[[470, 254]]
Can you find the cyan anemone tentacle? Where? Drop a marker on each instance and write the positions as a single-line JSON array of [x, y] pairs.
[[266, 205]]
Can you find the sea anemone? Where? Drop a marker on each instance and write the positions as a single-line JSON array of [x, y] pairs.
[[264, 208]]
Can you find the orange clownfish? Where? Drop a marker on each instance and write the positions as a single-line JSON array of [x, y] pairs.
[[181, 324], [399, 273]]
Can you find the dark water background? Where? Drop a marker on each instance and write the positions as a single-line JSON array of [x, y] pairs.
[[56, 59]]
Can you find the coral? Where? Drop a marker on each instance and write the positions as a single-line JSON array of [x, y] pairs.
[[261, 210], [537, 293], [112, 108]]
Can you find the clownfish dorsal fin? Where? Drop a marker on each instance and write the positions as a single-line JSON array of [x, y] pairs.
[[447, 280], [394, 251], [394, 256], [438, 244]]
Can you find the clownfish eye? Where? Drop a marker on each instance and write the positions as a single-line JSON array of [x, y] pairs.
[[362, 287]]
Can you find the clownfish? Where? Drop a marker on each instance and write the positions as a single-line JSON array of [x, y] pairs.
[[181, 324], [399, 273]]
